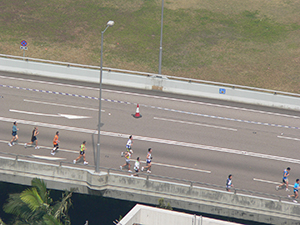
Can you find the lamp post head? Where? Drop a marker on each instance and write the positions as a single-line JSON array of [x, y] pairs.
[[110, 23]]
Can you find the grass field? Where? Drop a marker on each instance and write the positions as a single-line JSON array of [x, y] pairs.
[[251, 42]]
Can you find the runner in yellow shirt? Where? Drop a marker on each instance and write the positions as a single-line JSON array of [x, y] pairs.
[[82, 153]]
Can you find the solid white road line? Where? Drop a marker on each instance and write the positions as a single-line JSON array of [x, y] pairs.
[[193, 123], [289, 138], [152, 96], [62, 105], [157, 140]]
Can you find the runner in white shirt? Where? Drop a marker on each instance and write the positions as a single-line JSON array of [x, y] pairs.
[[148, 161], [137, 166], [127, 159], [128, 145]]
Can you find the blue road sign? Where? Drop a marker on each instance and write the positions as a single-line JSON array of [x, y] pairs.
[[222, 91], [23, 43]]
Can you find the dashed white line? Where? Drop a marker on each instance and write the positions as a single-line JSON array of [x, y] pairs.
[[47, 157], [158, 140], [266, 181], [51, 115], [270, 182], [153, 96], [44, 147], [181, 167], [289, 138]]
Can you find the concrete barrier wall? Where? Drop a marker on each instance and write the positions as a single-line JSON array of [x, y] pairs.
[[153, 82], [148, 190]]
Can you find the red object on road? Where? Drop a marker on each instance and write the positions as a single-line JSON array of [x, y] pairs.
[[137, 113]]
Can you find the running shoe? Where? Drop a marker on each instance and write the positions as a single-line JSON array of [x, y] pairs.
[[287, 189], [122, 154], [74, 161], [142, 169], [37, 147], [25, 145], [289, 196], [277, 187], [85, 163], [9, 144], [295, 201], [121, 168], [52, 153], [148, 171], [129, 171]]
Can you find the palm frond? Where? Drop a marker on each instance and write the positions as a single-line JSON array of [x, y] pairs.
[[32, 199], [41, 188]]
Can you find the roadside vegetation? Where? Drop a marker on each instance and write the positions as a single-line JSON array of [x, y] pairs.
[[35, 206], [254, 42]]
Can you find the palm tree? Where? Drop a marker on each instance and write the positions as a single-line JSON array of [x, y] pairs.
[[34, 206]]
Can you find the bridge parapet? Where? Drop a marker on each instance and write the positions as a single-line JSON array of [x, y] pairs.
[[148, 189]]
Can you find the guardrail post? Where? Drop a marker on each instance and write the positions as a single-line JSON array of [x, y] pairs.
[[279, 199], [60, 163], [147, 178], [17, 157], [108, 170], [234, 191], [191, 184]]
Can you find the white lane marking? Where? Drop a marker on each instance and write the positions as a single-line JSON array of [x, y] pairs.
[[270, 182], [193, 123], [43, 147], [47, 157], [156, 140], [180, 167], [71, 117], [289, 138], [62, 105], [33, 113], [153, 96], [71, 151], [161, 108], [176, 167], [266, 181]]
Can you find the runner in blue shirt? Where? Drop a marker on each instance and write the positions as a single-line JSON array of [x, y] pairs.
[[285, 180], [229, 182], [296, 188], [14, 134]]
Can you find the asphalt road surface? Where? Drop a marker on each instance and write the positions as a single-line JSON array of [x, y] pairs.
[[192, 138]]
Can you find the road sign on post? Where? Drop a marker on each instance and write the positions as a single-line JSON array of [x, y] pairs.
[[23, 43], [24, 47]]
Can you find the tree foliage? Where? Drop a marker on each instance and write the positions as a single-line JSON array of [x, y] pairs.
[[35, 206], [161, 204]]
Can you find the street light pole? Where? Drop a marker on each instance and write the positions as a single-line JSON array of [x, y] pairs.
[[161, 36], [109, 24]]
